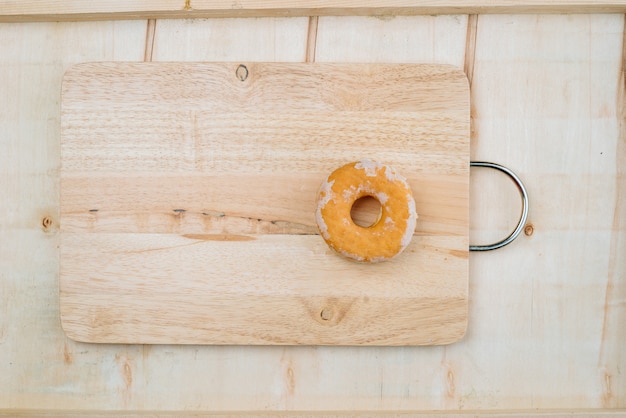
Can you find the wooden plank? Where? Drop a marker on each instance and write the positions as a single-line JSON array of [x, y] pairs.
[[552, 125], [400, 39], [146, 145], [317, 414], [33, 58], [271, 40], [37, 10]]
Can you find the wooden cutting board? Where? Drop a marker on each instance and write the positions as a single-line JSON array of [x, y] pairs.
[[188, 196]]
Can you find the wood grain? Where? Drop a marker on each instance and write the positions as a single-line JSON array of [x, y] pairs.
[[266, 289], [309, 414], [205, 175], [557, 98], [33, 10]]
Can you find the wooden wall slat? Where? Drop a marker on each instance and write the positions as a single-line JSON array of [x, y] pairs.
[[268, 39], [39, 367], [37, 10], [414, 39], [313, 414], [545, 101]]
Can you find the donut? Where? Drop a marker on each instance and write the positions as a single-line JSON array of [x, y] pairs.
[[393, 230]]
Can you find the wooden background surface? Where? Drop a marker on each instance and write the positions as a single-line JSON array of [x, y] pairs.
[[547, 314]]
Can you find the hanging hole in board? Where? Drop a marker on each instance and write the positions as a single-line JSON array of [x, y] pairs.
[[242, 72]]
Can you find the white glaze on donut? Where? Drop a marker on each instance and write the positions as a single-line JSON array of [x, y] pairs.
[[325, 194]]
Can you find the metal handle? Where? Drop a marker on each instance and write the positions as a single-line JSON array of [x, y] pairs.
[[523, 218]]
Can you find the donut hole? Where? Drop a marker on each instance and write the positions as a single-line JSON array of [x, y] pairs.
[[366, 211]]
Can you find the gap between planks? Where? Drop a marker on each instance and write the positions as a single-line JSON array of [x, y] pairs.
[[150, 33], [468, 68], [470, 47], [311, 40]]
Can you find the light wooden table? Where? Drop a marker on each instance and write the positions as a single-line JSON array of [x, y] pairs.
[[547, 320]]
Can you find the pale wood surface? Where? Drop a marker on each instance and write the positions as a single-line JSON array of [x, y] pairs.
[[184, 186], [312, 414], [40, 10], [546, 321]]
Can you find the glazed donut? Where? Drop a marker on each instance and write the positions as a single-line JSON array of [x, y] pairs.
[[393, 230]]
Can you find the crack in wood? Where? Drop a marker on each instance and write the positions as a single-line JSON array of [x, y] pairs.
[[311, 40], [150, 33]]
